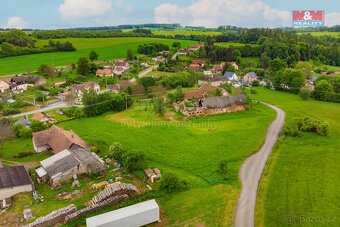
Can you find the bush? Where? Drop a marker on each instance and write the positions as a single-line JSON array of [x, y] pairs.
[[169, 183], [79, 113], [307, 124], [255, 83], [304, 93], [37, 126], [268, 85], [19, 104], [224, 170], [133, 160], [116, 151], [291, 130], [25, 133], [17, 128], [11, 112], [253, 91]]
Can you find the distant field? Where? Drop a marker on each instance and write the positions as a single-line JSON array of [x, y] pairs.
[[186, 33], [232, 44], [303, 177], [321, 33], [107, 48]]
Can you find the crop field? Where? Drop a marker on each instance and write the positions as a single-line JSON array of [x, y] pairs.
[[233, 44], [186, 33], [192, 149], [302, 180], [321, 33], [107, 48]]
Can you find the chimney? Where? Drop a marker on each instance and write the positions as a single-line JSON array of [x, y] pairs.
[[62, 128], [72, 136]]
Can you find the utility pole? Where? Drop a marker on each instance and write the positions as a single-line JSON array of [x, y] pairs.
[[33, 100]]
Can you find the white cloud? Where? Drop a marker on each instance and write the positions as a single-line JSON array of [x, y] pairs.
[[17, 22], [212, 13], [332, 19], [72, 9]]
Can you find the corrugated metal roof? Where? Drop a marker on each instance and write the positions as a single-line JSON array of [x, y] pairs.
[[14, 176], [125, 212]]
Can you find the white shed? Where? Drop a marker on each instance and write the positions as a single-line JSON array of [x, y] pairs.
[[132, 216]]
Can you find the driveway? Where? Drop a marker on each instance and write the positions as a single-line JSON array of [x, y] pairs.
[[144, 73], [251, 171]]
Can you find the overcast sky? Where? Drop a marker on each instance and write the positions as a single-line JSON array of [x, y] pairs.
[[51, 14]]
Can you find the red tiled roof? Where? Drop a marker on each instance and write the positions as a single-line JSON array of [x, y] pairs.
[[37, 116], [58, 139], [104, 71]]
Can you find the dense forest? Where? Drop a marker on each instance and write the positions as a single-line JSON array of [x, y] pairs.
[[15, 43]]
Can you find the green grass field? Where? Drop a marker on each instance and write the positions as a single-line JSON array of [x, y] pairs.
[[320, 33], [302, 180], [186, 33], [233, 44], [190, 149], [107, 48]]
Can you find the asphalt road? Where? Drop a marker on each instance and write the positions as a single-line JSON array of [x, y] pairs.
[[251, 171], [42, 109], [144, 73]]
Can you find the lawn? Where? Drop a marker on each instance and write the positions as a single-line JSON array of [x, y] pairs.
[[192, 149], [107, 48], [301, 184]]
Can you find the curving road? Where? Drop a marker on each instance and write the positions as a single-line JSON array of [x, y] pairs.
[[251, 171]]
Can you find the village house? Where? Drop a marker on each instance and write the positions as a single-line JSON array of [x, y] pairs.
[[104, 72], [217, 69], [79, 88], [23, 121], [144, 65], [231, 76], [250, 77], [214, 80], [64, 165], [123, 63], [159, 59], [36, 80], [195, 67], [18, 84], [234, 64], [38, 116], [14, 180], [56, 139], [4, 85], [118, 70], [113, 88], [201, 63], [183, 52], [214, 105], [196, 47]]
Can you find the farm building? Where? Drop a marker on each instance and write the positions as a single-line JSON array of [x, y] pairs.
[[4, 86], [214, 80], [36, 80], [14, 180], [132, 216], [56, 139], [215, 105], [104, 72], [23, 121], [63, 166], [198, 94]]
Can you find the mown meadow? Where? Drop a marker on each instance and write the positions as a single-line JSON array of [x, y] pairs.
[[301, 182], [107, 48]]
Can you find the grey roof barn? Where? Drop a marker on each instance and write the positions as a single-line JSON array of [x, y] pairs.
[[221, 102]]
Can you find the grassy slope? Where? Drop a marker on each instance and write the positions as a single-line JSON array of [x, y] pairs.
[[190, 150], [303, 175], [107, 48]]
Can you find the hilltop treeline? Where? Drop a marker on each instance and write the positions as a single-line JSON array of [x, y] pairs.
[[15, 43]]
